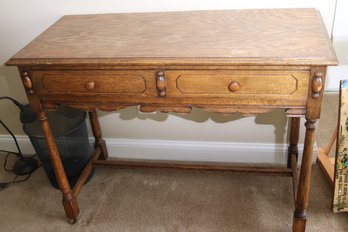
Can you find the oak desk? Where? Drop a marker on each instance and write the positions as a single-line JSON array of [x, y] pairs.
[[233, 61]]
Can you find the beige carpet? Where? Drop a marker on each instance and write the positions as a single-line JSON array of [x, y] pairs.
[[168, 201]]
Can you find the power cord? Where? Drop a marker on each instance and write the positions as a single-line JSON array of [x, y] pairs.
[[14, 180], [19, 154], [26, 114], [24, 166]]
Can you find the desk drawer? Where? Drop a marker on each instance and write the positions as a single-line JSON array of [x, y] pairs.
[[241, 86], [94, 81]]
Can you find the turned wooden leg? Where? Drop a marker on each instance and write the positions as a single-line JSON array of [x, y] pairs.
[[294, 136], [293, 152], [69, 200], [99, 141], [299, 222]]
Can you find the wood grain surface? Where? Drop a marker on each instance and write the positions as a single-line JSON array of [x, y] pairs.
[[232, 61], [268, 36]]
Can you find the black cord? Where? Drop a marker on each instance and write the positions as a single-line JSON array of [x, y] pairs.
[[6, 158], [14, 138], [4, 185], [19, 154], [5, 163], [26, 115], [20, 106], [6, 151]]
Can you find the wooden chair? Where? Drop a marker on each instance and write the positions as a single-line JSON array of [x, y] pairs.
[[326, 163]]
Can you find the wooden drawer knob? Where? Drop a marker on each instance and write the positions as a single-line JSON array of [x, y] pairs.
[[317, 84], [161, 83], [27, 82], [234, 86], [90, 85]]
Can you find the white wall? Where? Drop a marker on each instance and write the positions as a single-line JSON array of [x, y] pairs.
[[21, 21], [340, 42]]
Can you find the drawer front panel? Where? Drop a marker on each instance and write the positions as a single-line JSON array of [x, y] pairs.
[[91, 82], [265, 88], [227, 84], [291, 86]]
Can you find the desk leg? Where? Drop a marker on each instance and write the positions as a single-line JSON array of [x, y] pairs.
[[299, 222], [293, 152], [99, 141], [294, 135], [69, 200]]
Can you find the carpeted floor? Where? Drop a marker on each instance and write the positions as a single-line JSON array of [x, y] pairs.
[[149, 200]]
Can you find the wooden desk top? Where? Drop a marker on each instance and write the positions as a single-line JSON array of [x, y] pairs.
[[233, 61], [228, 37]]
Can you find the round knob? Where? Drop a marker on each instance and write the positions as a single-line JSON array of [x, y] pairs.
[[27, 83], [317, 84], [161, 83], [234, 86], [90, 85]]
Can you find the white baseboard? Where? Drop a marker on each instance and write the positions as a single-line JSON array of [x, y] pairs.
[[7, 143], [180, 150]]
